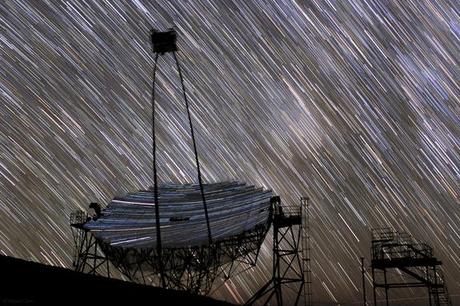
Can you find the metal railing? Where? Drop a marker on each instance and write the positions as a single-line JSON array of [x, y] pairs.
[[288, 211], [390, 244]]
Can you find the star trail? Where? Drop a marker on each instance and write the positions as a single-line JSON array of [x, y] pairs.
[[353, 103]]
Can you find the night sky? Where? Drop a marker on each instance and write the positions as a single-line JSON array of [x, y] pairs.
[[353, 103]]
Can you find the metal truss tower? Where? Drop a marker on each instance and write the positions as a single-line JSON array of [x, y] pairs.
[[88, 257], [288, 262], [394, 251]]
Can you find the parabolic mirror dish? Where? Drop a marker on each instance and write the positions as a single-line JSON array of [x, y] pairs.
[[234, 209]]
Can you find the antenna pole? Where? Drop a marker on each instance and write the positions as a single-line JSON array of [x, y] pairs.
[[363, 271], [155, 184], [197, 161], [305, 201]]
